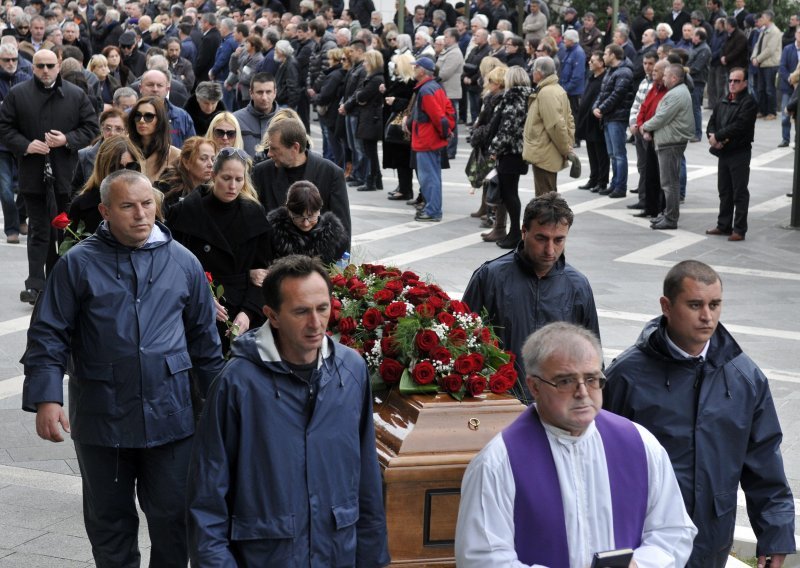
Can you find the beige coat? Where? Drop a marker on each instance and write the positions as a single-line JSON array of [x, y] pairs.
[[771, 47], [549, 129], [150, 164]]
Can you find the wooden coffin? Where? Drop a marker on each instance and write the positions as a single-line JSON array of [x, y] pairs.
[[424, 445]]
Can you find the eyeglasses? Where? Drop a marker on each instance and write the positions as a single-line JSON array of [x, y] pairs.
[[231, 151], [113, 130], [569, 385], [9, 59], [735, 80], [134, 166], [220, 133], [305, 218], [23, 27], [43, 65], [147, 117]]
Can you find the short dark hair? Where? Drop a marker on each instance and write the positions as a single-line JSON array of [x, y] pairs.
[[616, 51], [732, 22], [303, 196], [701, 33], [452, 32], [262, 77], [292, 266], [652, 54], [291, 131], [693, 269], [547, 209]]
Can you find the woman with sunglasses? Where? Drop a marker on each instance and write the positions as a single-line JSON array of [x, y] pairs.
[[148, 128], [115, 153], [226, 229], [225, 132], [192, 172]]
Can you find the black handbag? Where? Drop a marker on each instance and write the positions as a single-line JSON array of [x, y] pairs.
[[394, 132], [493, 196]]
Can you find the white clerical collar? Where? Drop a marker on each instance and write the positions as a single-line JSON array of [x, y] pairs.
[[683, 354], [564, 436]]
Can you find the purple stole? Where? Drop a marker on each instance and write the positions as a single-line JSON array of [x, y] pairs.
[[540, 534]]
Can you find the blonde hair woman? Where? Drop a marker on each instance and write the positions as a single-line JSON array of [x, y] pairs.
[[224, 130], [396, 155]]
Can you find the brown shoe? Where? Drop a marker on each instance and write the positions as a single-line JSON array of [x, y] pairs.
[[495, 235], [735, 237], [348, 169], [12, 239], [717, 231], [770, 117]]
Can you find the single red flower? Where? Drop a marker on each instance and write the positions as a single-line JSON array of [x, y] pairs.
[[347, 325], [209, 277], [446, 319], [395, 285], [383, 296], [395, 310], [368, 345], [458, 307], [426, 340], [391, 370], [452, 383], [500, 383], [359, 290], [457, 336], [425, 310], [347, 340], [486, 335], [60, 221], [339, 281], [389, 346], [463, 364], [477, 361], [409, 278], [371, 319], [436, 302], [441, 354], [476, 384], [418, 294], [423, 373]]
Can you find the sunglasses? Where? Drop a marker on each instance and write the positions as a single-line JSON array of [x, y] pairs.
[[133, 166], [9, 59], [144, 116], [220, 133], [735, 80], [231, 151], [43, 65]]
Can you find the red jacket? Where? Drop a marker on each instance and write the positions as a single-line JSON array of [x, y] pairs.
[[432, 118], [650, 103]]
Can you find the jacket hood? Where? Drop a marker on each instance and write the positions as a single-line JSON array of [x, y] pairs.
[[104, 234]]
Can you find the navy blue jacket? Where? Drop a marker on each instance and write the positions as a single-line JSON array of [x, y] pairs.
[[717, 421], [127, 325], [276, 484], [223, 57], [787, 67], [573, 71]]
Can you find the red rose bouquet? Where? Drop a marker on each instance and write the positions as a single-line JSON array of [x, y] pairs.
[[412, 334]]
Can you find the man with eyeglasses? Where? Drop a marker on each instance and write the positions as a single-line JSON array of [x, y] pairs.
[[44, 122], [688, 381], [566, 479]]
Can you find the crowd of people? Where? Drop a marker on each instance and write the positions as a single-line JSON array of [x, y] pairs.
[[178, 136]]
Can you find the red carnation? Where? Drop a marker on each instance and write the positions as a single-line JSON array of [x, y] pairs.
[[477, 361], [371, 319], [391, 370], [457, 336], [463, 365], [423, 373], [451, 383], [395, 310], [395, 285], [389, 346], [426, 340], [446, 319], [441, 354], [60, 221], [347, 325], [425, 310], [383, 296], [476, 384]]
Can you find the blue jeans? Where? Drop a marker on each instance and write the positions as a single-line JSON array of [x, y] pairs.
[[766, 90], [786, 120], [356, 145], [429, 173], [228, 97], [683, 177], [452, 144], [616, 134], [697, 108], [10, 215], [474, 105]]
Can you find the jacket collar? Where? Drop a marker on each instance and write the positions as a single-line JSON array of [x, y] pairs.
[[268, 348]]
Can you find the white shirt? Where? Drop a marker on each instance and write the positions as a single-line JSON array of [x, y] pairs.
[[485, 529]]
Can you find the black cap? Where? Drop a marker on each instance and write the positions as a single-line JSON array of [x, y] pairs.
[[127, 39]]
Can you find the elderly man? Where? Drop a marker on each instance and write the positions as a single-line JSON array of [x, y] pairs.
[[549, 128], [689, 383], [572, 75], [766, 57], [130, 403], [449, 66], [566, 479], [44, 122]]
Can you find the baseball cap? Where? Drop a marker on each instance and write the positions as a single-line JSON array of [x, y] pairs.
[[127, 39], [426, 63]]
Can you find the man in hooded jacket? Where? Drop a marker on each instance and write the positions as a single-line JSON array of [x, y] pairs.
[[689, 383]]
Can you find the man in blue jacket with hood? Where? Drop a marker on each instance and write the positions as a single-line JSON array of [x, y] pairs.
[[127, 313], [284, 470], [688, 382]]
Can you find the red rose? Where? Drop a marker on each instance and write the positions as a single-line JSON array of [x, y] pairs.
[[371, 319], [426, 340], [395, 285], [500, 383], [440, 354], [446, 319], [417, 294], [463, 364], [425, 310], [336, 308], [60, 221], [458, 307], [347, 325], [389, 346], [347, 340], [339, 280], [409, 278], [374, 268], [368, 345], [486, 334], [391, 371], [359, 290], [209, 277], [457, 336], [477, 361], [423, 373], [451, 383], [476, 384], [436, 302], [395, 310], [383, 296]]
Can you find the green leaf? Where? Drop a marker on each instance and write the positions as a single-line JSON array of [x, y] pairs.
[[81, 228], [220, 291], [65, 245], [408, 386], [459, 396]]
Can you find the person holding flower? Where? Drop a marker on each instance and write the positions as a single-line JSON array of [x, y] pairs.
[[226, 229]]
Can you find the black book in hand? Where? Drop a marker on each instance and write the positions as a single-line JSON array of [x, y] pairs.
[[620, 558]]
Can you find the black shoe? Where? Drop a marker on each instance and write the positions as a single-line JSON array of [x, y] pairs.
[[598, 189], [642, 215], [29, 295], [587, 185], [424, 217], [509, 242], [663, 225], [634, 190], [635, 206], [784, 144], [397, 197], [605, 191], [354, 183], [617, 193]]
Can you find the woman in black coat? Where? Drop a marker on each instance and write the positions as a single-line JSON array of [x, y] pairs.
[[398, 96], [299, 228], [590, 129], [367, 103], [288, 86], [327, 103], [226, 229]]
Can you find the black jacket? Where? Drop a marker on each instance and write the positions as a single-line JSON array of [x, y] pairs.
[[616, 93], [587, 126], [735, 50], [29, 110], [733, 123], [361, 10], [397, 155], [472, 67], [272, 185], [84, 208], [367, 104], [200, 119], [330, 94], [287, 83], [206, 54], [327, 240]]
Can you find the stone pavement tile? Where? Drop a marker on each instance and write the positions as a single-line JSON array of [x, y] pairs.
[[5, 458], [36, 498], [24, 560], [49, 452], [10, 415], [71, 526], [11, 536], [73, 465], [31, 518], [16, 435], [53, 466], [4, 552], [59, 546]]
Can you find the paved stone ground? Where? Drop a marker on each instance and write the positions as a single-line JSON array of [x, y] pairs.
[[40, 493]]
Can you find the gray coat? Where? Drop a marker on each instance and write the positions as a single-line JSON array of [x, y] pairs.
[[673, 122], [449, 67]]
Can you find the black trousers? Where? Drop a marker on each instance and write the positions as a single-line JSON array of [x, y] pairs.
[[371, 149], [598, 161], [509, 193], [653, 194], [42, 237], [111, 479], [733, 177]]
